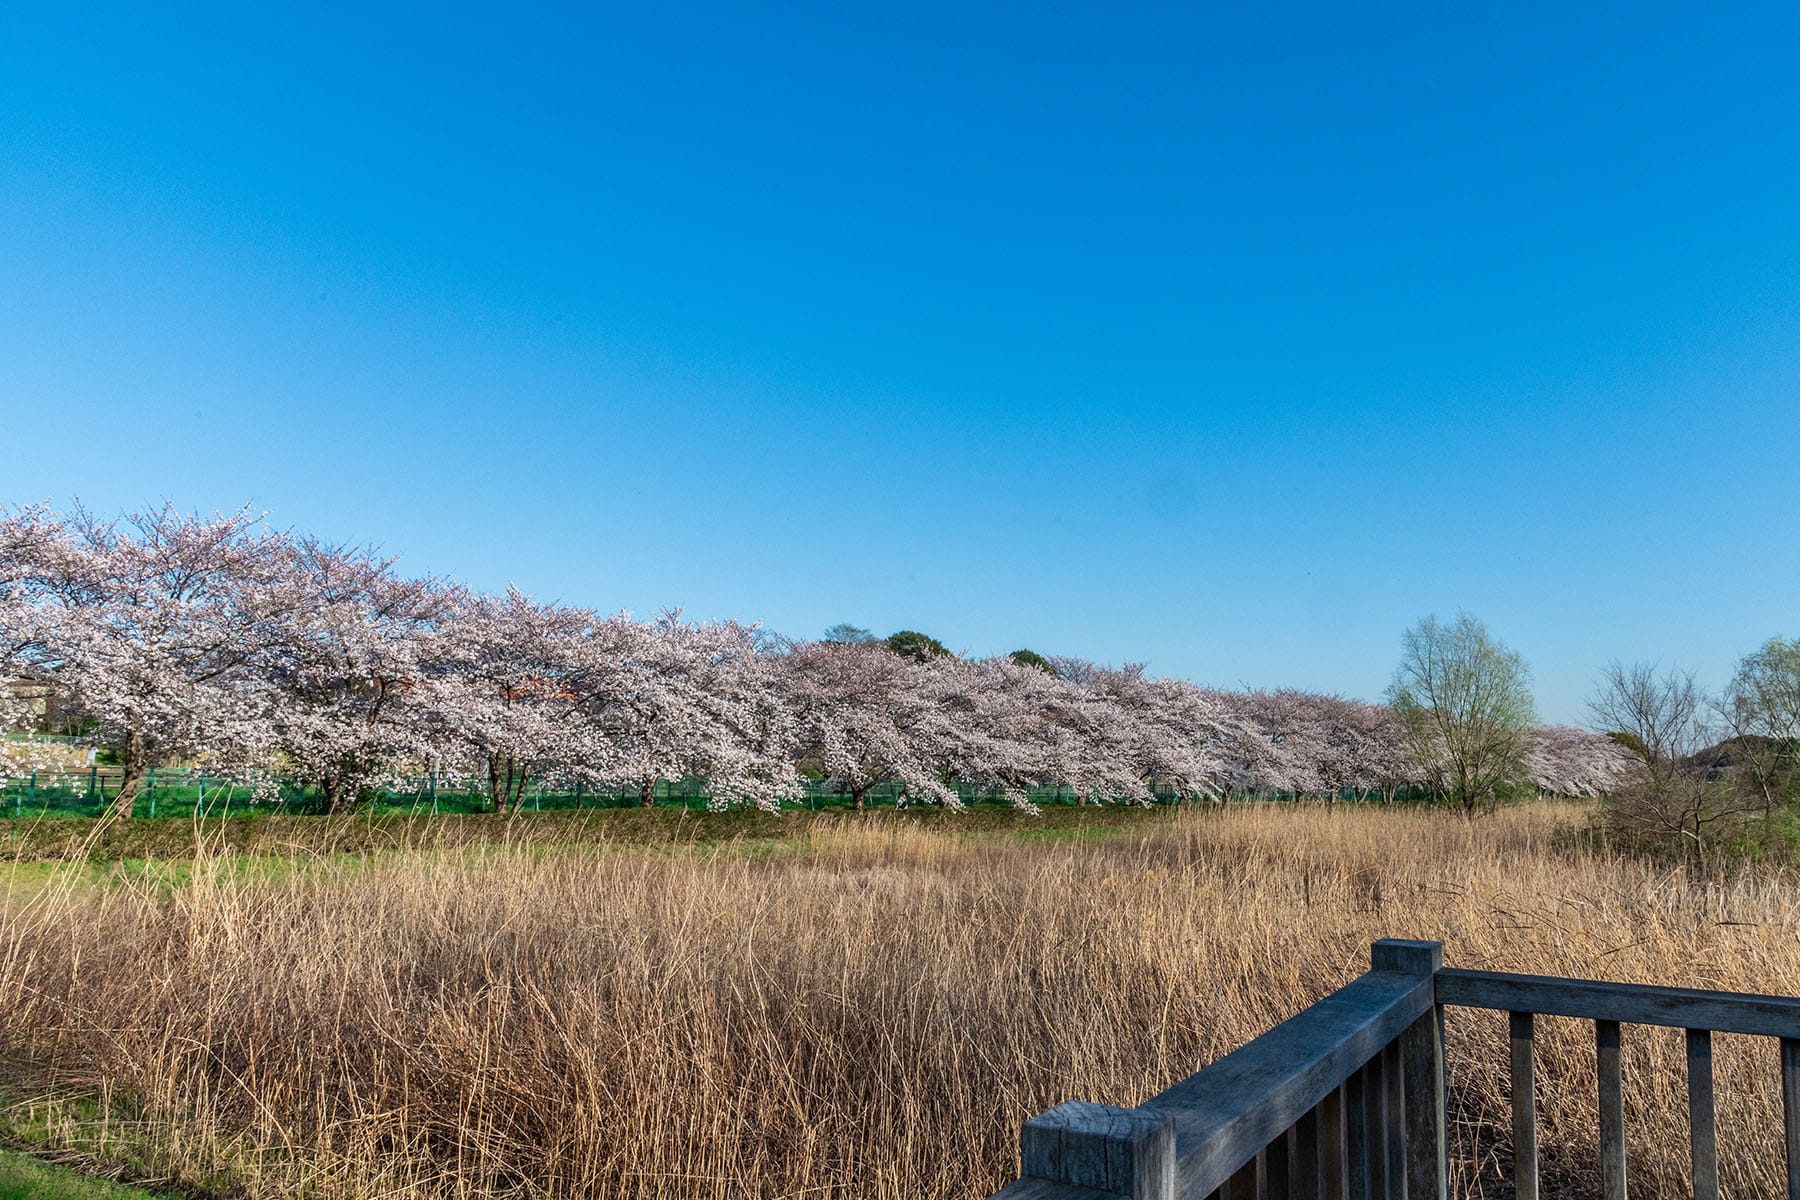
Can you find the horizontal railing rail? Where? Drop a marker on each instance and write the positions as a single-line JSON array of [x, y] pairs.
[[1346, 1100], [1611, 1006], [1630, 1003], [1317, 1107]]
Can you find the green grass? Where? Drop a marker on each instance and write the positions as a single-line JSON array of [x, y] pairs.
[[38, 841], [47, 856], [26, 1178]]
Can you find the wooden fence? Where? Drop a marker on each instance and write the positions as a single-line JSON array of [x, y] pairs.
[[1345, 1101]]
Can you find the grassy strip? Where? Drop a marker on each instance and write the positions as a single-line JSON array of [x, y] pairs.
[[83, 840], [25, 1178]]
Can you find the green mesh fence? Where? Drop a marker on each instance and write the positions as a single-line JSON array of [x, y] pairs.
[[189, 792]]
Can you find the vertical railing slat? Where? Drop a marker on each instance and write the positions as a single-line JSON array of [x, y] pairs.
[[1304, 1180], [1334, 1155], [1356, 1134], [1612, 1111], [1790, 1111], [1242, 1186], [1375, 1101], [1524, 1101], [1702, 1138], [1394, 1120], [1278, 1168]]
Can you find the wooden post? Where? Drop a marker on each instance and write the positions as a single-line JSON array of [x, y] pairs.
[[1703, 1146], [1128, 1152], [1790, 1111], [1612, 1111], [1422, 1064], [1524, 1106]]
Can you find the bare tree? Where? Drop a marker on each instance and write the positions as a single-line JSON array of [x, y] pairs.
[[1676, 794], [1761, 709], [1463, 701]]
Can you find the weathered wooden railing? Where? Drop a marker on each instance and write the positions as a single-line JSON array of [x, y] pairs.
[[1346, 1100]]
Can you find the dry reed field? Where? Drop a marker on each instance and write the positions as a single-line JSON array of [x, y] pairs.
[[867, 1012]]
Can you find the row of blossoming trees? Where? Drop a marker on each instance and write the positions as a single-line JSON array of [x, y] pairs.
[[256, 651]]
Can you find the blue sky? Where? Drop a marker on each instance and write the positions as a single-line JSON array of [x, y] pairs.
[[1233, 338]]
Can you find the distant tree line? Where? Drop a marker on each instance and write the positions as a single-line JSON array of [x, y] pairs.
[[1714, 773], [257, 651]]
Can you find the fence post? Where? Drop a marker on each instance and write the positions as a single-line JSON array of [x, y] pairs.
[[1126, 1152], [1422, 1063], [150, 786]]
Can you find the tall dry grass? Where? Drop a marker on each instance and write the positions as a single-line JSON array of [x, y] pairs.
[[872, 1017]]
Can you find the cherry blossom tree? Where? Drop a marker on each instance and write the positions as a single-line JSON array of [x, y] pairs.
[[177, 636], [1566, 761], [1285, 747], [862, 714], [513, 685], [997, 724], [155, 622], [1375, 755], [682, 699], [1164, 731], [30, 539], [1309, 743], [342, 684]]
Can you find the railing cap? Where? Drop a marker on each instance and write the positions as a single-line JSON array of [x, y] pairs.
[[1123, 1151], [1408, 957]]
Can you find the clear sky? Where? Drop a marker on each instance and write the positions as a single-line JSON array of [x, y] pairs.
[[1230, 337]]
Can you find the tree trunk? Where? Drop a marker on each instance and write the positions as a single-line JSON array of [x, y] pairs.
[[647, 792], [132, 776], [857, 792], [518, 787], [333, 787], [496, 787]]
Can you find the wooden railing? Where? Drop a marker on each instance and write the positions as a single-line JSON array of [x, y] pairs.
[[1345, 1101]]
